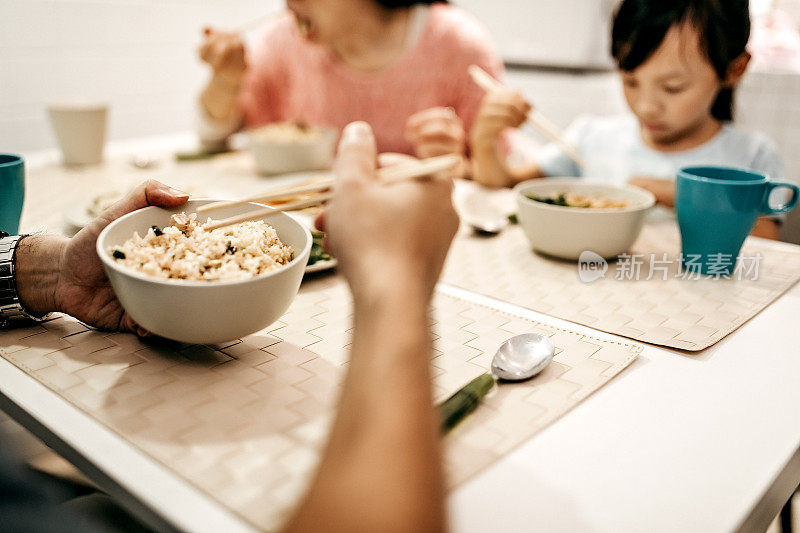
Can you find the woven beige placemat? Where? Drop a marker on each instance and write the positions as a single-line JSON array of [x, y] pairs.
[[643, 296], [245, 421]]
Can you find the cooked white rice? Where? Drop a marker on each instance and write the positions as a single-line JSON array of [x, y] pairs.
[[185, 250]]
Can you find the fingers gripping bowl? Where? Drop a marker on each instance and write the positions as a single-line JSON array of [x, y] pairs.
[[565, 232], [203, 311]]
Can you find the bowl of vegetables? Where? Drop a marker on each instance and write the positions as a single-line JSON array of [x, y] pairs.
[[564, 217]]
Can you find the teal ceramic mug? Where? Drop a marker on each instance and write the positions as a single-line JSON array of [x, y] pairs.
[[717, 208], [12, 192]]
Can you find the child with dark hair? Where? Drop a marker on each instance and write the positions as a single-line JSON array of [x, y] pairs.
[[679, 61]]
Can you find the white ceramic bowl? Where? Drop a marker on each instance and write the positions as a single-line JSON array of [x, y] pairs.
[[314, 152], [565, 232], [204, 311]]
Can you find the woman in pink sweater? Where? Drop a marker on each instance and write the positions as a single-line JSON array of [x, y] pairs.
[[399, 65]]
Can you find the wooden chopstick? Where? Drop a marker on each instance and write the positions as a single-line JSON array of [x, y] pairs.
[[418, 168], [391, 174], [269, 196], [267, 211], [544, 125], [387, 175], [483, 79]]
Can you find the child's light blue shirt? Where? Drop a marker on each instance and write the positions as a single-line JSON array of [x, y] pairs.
[[613, 151]]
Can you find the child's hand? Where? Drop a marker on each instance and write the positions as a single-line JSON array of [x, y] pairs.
[[662, 189], [499, 110], [225, 53], [766, 228], [436, 131]]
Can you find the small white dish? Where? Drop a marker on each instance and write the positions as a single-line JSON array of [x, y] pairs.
[[321, 266], [78, 215]]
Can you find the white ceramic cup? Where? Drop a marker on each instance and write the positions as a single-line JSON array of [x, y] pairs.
[[80, 128]]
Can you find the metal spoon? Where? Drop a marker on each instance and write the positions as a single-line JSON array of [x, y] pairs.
[[488, 228], [519, 358], [143, 161], [482, 215]]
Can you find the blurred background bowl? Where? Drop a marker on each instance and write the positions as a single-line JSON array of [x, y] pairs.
[[287, 147], [204, 312], [565, 232]]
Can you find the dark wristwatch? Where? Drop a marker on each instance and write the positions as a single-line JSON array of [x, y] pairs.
[[11, 309]]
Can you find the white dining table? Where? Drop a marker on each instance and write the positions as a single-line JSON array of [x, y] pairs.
[[705, 442]]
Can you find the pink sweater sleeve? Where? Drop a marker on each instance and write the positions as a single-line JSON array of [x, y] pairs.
[[263, 90]]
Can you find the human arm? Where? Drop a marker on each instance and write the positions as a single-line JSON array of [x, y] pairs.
[[766, 228], [54, 273], [225, 54], [769, 162], [381, 470], [499, 110], [218, 115], [662, 189], [437, 131]]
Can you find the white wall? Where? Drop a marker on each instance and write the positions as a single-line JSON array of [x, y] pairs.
[[562, 33], [138, 55]]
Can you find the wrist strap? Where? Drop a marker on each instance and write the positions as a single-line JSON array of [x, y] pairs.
[[11, 309]]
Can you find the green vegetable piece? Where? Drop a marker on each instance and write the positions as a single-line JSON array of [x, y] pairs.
[[318, 252], [513, 219], [197, 155], [156, 230], [118, 254], [560, 200]]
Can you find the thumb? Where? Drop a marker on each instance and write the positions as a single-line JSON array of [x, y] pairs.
[[151, 192], [355, 160]]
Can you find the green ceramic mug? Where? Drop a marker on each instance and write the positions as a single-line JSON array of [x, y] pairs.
[[12, 192], [717, 208]]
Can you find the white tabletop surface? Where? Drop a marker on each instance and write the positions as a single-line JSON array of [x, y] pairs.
[[677, 442]]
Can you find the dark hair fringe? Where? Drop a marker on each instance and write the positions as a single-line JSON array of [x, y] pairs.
[[722, 109], [398, 4], [724, 26]]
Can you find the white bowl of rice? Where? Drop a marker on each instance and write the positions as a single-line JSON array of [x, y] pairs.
[[291, 147], [598, 217], [182, 282]]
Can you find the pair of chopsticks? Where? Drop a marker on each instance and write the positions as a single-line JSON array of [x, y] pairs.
[[387, 175], [486, 82]]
